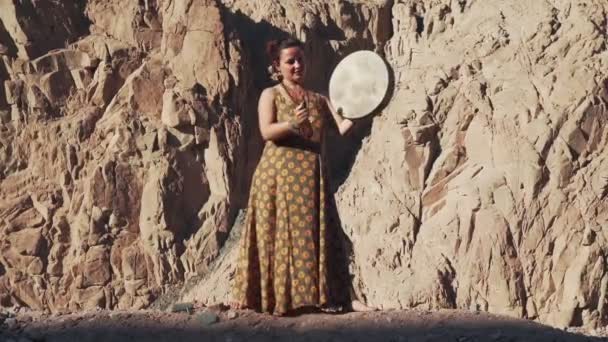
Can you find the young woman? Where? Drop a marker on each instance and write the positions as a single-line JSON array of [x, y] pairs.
[[282, 265]]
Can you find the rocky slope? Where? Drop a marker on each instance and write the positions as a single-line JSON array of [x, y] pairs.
[[128, 137]]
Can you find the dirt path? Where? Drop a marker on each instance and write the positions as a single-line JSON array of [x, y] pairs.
[[230, 326]]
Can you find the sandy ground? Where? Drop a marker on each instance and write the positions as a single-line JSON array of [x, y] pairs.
[[230, 326]]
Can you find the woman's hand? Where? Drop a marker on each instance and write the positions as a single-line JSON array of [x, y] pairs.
[[301, 113], [344, 125], [302, 124]]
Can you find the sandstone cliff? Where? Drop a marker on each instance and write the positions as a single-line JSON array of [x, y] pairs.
[[128, 136]]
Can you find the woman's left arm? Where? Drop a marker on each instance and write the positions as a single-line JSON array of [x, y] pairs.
[[343, 124]]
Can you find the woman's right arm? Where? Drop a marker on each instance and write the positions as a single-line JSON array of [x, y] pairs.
[[270, 129]]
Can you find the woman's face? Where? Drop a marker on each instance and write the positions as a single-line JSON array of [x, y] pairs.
[[291, 64]]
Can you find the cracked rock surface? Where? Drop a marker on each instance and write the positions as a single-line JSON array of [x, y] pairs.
[[128, 136]]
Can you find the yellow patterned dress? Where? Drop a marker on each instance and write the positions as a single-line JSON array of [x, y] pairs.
[[282, 256]]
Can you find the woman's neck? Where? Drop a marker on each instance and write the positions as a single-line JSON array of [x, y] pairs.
[[292, 84]]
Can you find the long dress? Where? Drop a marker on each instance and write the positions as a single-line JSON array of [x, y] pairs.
[[282, 258]]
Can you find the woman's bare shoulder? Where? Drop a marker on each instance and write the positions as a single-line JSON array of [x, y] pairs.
[[270, 91], [319, 97], [268, 95], [324, 96]]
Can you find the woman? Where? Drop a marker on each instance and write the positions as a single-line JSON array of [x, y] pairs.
[[282, 261]]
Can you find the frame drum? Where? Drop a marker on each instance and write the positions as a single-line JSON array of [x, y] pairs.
[[358, 84]]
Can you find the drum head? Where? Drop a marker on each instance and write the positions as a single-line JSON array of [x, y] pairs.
[[358, 84]]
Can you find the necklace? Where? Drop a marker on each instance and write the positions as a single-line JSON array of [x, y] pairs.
[[296, 96]]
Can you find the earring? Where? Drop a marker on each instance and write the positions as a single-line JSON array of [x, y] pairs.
[[275, 75]]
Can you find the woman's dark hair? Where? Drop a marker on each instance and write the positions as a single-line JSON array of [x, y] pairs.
[[274, 47]]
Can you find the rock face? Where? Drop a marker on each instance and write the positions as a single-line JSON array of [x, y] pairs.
[[484, 182], [128, 138], [105, 201], [30, 29]]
